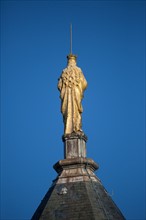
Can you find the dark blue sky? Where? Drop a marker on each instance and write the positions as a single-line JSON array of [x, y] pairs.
[[109, 39]]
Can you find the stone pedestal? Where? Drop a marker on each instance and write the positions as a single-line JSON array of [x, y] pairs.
[[74, 145], [76, 169], [75, 166]]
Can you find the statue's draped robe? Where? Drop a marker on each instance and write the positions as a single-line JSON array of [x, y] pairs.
[[72, 84]]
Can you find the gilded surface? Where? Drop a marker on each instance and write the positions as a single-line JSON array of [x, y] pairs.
[[71, 85]]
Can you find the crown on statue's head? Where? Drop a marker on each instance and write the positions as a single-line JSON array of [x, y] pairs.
[[72, 56]]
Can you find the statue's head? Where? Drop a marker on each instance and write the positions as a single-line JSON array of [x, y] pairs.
[[71, 59]]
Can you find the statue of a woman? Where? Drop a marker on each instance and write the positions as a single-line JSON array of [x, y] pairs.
[[71, 85]]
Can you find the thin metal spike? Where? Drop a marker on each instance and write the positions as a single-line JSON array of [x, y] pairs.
[[70, 38]]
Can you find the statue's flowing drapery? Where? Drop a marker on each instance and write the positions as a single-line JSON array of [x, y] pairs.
[[71, 85]]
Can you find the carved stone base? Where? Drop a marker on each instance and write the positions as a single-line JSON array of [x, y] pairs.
[[74, 145], [76, 169], [75, 166]]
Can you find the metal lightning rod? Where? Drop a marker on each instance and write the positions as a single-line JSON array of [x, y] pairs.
[[70, 38]]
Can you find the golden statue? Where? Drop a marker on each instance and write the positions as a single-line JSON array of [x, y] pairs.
[[71, 85]]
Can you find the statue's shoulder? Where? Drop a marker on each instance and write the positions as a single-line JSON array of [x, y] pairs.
[[78, 68], [64, 70]]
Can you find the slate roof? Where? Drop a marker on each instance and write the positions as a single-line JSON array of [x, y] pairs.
[[78, 200], [77, 193]]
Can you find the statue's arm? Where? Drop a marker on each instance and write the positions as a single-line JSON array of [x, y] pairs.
[[60, 84], [84, 82]]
